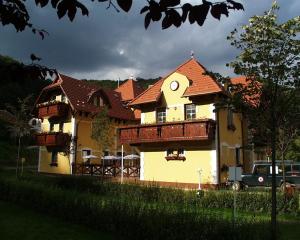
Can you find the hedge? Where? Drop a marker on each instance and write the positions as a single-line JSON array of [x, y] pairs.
[[129, 218], [256, 201]]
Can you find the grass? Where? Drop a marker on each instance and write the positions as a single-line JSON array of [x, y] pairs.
[[289, 230], [19, 223], [288, 223]]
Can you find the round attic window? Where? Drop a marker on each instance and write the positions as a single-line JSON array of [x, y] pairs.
[[174, 85]]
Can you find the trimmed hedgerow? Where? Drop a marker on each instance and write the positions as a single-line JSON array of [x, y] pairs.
[[257, 201], [129, 218]]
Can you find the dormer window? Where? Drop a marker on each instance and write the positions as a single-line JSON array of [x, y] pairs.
[[98, 101], [63, 98], [53, 98]]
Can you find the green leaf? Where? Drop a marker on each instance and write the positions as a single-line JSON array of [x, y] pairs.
[[125, 5]]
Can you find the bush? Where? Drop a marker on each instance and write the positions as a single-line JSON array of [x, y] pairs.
[[130, 218], [255, 201]]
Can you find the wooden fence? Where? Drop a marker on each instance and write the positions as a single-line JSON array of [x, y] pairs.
[[106, 170]]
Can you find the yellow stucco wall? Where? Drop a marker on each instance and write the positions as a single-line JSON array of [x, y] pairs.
[[63, 162], [229, 140], [84, 142], [174, 102], [157, 168]]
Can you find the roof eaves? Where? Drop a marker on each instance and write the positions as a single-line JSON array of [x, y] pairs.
[[203, 93]]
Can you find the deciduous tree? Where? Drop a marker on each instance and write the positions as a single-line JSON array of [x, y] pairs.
[[270, 60], [17, 119], [171, 12], [103, 130]]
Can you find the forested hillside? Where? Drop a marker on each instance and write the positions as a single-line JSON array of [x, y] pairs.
[[112, 84], [16, 82]]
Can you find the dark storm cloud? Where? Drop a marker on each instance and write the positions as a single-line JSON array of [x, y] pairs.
[[110, 45]]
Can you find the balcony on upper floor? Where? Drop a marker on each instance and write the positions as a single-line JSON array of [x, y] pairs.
[[52, 139], [52, 109], [202, 129]]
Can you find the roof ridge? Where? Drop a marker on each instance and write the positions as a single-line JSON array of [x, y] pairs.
[[162, 79]]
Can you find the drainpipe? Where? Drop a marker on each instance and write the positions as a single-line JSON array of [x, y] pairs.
[[218, 146], [73, 144]]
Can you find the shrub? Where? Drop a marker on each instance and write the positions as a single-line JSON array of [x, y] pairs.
[[255, 201], [129, 218]]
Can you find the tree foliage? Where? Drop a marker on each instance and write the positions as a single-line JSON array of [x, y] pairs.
[[18, 126], [170, 11], [270, 60], [18, 79], [103, 130]]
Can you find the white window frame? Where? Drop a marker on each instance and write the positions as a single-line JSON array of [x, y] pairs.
[[165, 113], [186, 114]]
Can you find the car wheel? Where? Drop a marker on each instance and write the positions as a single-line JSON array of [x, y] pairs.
[[236, 186]]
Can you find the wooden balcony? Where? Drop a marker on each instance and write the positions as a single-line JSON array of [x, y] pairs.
[[57, 109], [55, 139], [203, 129]]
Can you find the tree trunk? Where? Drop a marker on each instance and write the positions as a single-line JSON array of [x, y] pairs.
[[18, 156], [273, 147], [283, 172]]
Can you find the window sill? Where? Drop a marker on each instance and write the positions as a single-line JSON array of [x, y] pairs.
[[53, 164]]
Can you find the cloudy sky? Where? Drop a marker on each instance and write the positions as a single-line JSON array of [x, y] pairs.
[[109, 45]]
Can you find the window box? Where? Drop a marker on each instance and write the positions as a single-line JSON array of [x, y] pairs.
[[180, 158]]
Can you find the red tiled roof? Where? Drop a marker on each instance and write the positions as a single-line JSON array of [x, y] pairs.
[[79, 93], [253, 99], [118, 110], [239, 80], [201, 83], [152, 94], [129, 90]]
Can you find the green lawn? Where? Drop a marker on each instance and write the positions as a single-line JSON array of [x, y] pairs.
[[290, 230], [24, 224]]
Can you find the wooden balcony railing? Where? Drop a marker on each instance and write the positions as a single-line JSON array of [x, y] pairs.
[[57, 109], [106, 170], [203, 129], [55, 139]]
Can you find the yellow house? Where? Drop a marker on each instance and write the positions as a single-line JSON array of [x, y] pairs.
[[182, 137], [66, 108]]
